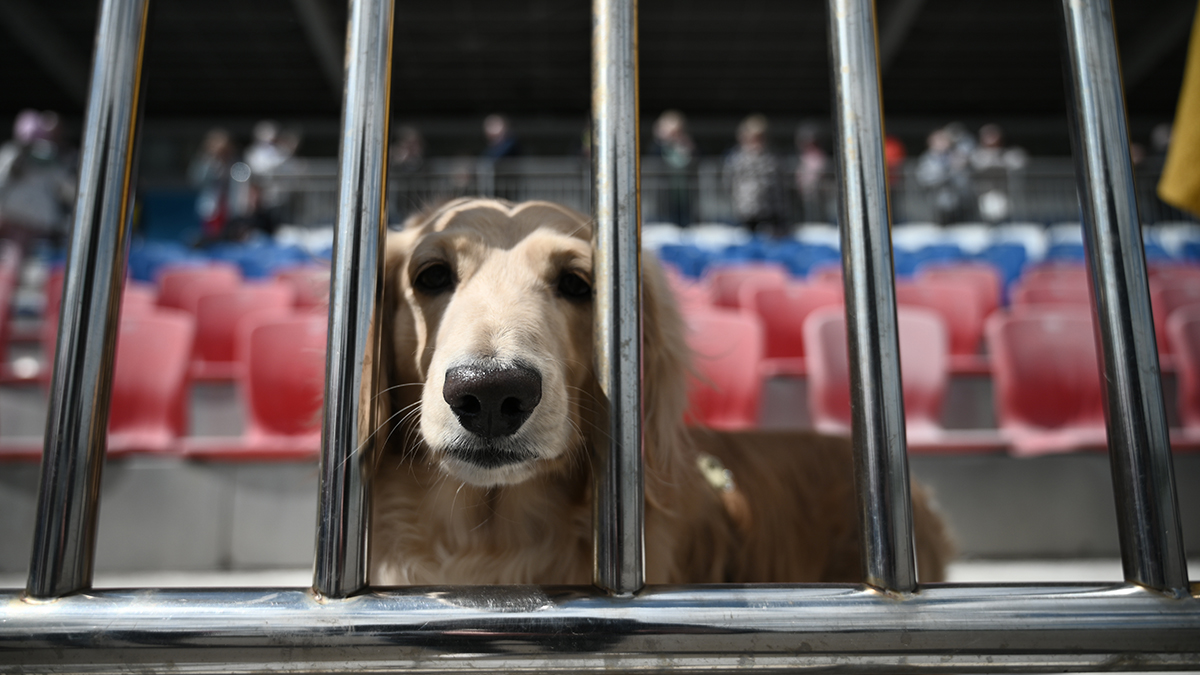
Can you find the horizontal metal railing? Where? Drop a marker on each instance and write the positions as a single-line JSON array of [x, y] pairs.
[[1043, 190], [1150, 622]]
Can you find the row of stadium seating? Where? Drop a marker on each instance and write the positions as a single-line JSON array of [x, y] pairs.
[[815, 246], [752, 323]]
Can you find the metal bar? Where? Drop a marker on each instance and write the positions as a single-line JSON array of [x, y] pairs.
[[77, 426], [355, 295], [618, 564], [877, 406], [834, 628], [1139, 445]]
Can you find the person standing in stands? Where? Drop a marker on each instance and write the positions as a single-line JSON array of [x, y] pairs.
[[501, 141], [209, 172], [673, 144], [752, 174], [812, 165], [37, 181]]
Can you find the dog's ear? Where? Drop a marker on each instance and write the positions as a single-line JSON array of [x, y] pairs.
[[381, 377], [666, 361]]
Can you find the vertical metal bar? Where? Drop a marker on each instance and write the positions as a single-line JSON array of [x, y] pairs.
[[618, 520], [1139, 445], [877, 407], [77, 426], [355, 294]]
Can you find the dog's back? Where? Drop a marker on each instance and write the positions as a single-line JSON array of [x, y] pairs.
[[802, 523]]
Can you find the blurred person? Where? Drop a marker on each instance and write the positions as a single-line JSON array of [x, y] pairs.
[[210, 173], [37, 181], [408, 149], [894, 154], [991, 164], [943, 171], [752, 174], [501, 141], [812, 166], [674, 145], [270, 150], [407, 159]]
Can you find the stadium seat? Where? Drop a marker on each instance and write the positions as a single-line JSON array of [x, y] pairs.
[[725, 283], [958, 305], [717, 236], [217, 316], [818, 234], [311, 284], [727, 350], [688, 293], [1009, 258], [1046, 379], [972, 238], [1183, 332], [1167, 297], [783, 310], [148, 408], [1056, 274], [283, 386], [924, 368], [1052, 294], [1030, 236], [689, 260], [174, 281], [981, 276]]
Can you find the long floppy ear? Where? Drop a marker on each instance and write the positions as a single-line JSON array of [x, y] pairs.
[[380, 376], [666, 361]]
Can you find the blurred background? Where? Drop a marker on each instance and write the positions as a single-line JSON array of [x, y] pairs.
[[236, 192]]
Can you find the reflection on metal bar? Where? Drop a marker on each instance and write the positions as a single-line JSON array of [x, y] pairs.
[[617, 557], [877, 407], [77, 426], [343, 507], [833, 628], [1139, 446]]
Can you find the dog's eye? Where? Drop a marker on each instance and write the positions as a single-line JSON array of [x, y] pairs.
[[573, 286], [435, 278]]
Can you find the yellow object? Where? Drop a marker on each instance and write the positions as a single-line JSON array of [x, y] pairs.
[[1180, 183]]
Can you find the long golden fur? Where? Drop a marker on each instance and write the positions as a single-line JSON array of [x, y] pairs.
[[489, 284]]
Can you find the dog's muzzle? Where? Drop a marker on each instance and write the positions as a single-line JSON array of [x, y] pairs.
[[492, 400]]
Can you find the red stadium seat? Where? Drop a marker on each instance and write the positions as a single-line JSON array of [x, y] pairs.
[[924, 366], [688, 295], [311, 283], [1055, 274], [984, 278], [783, 310], [283, 385], [1051, 293], [1046, 379], [1183, 331], [727, 350], [217, 316], [148, 409], [958, 305], [174, 282], [725, 283], [1165, 298]]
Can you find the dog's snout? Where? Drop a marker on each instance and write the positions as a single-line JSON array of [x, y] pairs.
[[492, 401]]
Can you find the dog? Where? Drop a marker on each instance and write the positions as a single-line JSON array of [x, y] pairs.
[[491, 414]]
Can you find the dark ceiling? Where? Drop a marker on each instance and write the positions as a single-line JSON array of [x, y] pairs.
[[715, 60]]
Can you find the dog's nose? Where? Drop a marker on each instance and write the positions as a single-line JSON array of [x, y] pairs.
[[492, 401]]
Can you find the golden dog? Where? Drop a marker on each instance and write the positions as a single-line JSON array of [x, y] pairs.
[[492, 413]]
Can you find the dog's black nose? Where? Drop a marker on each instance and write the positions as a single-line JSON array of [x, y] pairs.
[[492, 401]]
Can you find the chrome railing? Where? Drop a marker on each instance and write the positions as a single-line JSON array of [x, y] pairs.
[[1150, 622]]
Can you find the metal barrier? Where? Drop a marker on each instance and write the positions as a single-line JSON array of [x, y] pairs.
[[1151, 622]]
